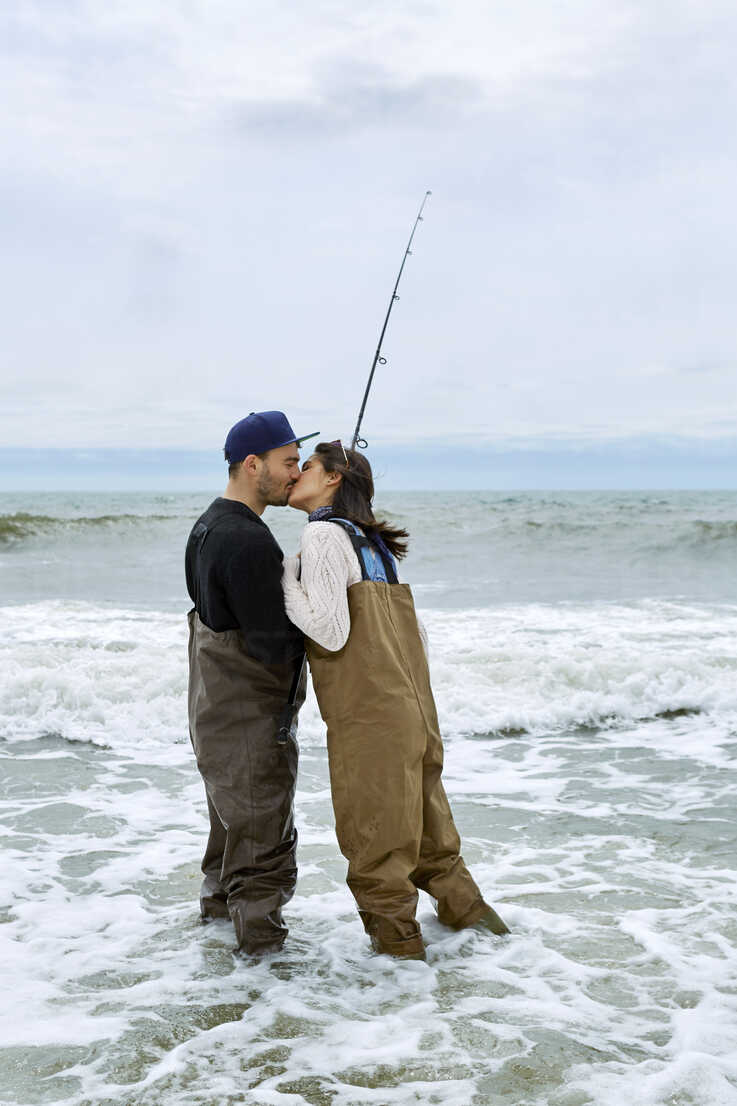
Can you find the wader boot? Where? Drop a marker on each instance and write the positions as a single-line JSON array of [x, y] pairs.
[[235, 704], [393, 820]]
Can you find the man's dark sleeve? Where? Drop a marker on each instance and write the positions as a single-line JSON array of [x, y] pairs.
[[252, 584]]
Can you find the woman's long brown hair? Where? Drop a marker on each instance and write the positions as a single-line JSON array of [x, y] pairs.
[[355, 495]]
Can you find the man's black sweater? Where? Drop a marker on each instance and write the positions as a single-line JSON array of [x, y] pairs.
[[234, 569]]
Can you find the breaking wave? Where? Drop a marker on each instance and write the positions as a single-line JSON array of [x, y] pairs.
[[118, 677], [715, 531], [529, 530], [20, 526]]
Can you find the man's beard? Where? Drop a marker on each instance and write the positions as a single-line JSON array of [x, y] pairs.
[[271, 490]]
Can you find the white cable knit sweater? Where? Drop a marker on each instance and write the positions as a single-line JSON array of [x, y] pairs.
[[316, 599]]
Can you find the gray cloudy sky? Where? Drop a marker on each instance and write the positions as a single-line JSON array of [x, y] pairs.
[[204, 204]]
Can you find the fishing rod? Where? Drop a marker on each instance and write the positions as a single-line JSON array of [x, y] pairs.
[[378, 359]]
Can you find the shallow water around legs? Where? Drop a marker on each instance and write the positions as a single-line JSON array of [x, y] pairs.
[[583, 654], [609, 852]]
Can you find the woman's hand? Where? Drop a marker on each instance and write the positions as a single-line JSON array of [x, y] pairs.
[[292, 567]]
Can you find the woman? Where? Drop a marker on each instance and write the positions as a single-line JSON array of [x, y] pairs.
[[369, 670]]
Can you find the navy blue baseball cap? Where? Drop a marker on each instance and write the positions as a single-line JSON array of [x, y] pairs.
[[258, 433]]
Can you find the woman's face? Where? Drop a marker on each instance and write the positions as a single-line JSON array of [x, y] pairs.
[[315, 487]]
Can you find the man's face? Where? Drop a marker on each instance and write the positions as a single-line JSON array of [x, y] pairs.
[[279, 473]]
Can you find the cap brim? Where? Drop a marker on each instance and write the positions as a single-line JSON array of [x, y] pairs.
[[306, 437]]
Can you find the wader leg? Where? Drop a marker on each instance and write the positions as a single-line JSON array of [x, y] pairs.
[[441, 870], [250, 786], [390, 925], [378, 820], [213, 896]]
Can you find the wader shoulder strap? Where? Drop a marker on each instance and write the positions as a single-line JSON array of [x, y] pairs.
[[198, 537], [200, 532], [366, 551]]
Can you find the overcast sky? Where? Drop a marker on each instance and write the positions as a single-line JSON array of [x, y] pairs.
[[205, 202]]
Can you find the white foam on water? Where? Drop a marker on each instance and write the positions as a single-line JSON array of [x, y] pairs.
[[619, 978], [118, 677], [546, 667], [609, 851]]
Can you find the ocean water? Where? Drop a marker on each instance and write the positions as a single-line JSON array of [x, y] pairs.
[[584, 660]]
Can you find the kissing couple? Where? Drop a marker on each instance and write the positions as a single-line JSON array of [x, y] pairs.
[[341, 602]]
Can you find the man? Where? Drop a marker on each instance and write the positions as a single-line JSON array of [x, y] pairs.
[[244, 664]]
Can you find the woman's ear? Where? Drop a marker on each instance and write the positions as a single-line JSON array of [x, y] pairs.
[[334, 477]]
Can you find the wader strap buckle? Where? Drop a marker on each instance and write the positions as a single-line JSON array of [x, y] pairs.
[[288, 717], [361, 543]]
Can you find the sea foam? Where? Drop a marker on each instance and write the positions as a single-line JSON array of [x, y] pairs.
[[118, 677]]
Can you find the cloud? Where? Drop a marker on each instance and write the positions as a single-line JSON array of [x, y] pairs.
[[206, 208], [353, 101]]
